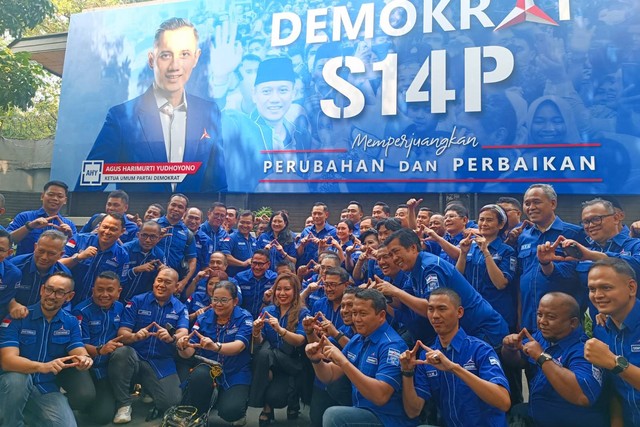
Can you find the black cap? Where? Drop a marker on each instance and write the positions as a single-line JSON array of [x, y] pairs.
[[275, 69]]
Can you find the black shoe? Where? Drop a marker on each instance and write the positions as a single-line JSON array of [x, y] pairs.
[[293, 414], [265, 418]]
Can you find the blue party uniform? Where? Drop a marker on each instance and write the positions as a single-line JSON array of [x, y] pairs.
[[28, 287], [311, 249], [378, 356], [25, 246], [480, 319], [455, 241], [466, 409], [9, 279], [275, 256], [504, 301], [253, 289], [242, 249], [99, 326], [546, 406], [236, 369], [178, 245], [114, 258], [220, 240], [130, 227], [533, 283], [42, 341], [141, 311], [139, 283], [624, 342]]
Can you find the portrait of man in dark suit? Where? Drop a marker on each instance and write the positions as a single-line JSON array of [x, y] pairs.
[[166, 124]]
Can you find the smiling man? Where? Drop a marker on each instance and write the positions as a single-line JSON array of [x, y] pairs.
[[150, 347], [166, 124], [428, 272], [89, 254]]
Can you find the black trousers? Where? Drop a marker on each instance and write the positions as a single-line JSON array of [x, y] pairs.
[[231, 404], [338, 393]]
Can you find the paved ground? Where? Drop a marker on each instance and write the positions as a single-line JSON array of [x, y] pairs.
[[140, 411]]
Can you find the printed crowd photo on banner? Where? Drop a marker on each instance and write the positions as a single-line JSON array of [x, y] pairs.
[[324, 96]]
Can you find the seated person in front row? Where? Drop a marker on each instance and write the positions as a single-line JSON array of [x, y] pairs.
[[277, 362], [34, 351], [566, 391], [224, 335], [371, 361], [100, 318], [458, 365], [149, 351]]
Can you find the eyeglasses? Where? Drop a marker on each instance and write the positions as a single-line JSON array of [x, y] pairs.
[[222, 301], [59, 293], [258, 264], [595, 220], [152, 237], [219, 215], [332, 285], [452, 216]]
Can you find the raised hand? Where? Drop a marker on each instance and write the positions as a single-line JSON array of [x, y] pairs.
[[111, 345], [408, 358], [533, 349], [513, 342], [144, 333]]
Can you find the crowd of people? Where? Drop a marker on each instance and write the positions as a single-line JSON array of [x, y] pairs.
[[419, 317]]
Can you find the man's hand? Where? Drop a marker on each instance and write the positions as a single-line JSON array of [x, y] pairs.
[[56, 365], [147, 267], [110, 346], [163, 335], [83, 362], [547, 251], [512, 237], [89, 252], [184, 341], [438, 360], [200, 311], [387, 289], [18, 311], [408, 359], [145, 332], [533, 349], [333, 353], [314, 350], [598, 353], [513, 342]]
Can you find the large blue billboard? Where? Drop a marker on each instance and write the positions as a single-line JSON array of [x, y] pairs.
[[352, 96]]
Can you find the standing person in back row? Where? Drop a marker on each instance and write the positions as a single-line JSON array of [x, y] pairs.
[[27, 226]]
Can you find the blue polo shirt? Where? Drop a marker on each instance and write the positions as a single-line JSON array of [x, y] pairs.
[[480, 319], [459, 405], [378, 356], [140, 312], [274, 255], [197, 300], [271, 335], [504, 301], [204, 249], [26, 245], [550, 409], [242, 249], [311, 249], [28, 288], [533, 283], [98, 326], [624, 342], [219, 238], [85, 272], [9, 279], [325, 306], [176, 246], [235, 369], [42, 341], [139, 283], [317, 294], [130, 228], [253, 289]]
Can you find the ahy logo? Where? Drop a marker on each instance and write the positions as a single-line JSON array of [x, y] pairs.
[[91, 172]]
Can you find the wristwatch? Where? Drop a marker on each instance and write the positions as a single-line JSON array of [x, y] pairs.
[[544, 357], [621, 364]]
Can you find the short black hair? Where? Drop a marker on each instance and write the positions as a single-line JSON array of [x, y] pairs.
[[618, 265], [510, 200], [390, 224], [119, 194], [109, 275], [378, 300], [173, 24], [385, 207], [406, 238], [57, 184], [340, 272]]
